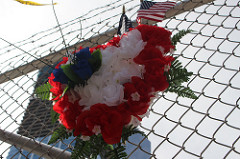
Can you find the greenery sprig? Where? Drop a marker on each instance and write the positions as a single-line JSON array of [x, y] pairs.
[[129, 131], [176, 38], [60, 133], [43, 91], [177, 74], [117, 153], [96, 145], [54, 116]]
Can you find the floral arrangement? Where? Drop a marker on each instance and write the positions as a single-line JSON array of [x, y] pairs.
[[101, 94]]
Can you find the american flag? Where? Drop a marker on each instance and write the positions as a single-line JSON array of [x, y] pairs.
[[124, 24], [154, 10]]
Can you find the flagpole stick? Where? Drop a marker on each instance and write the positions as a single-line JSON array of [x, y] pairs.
[[123, 9]]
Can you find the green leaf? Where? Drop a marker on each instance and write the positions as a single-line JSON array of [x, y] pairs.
[[96, 60], [176, 76], [89, 149], [176, 38], [117, 153], [70, 73], [182, 91], [64, 91], [43, 91], [129, 131], [81, 149], [97, 146], [59, 133], [54, 116]]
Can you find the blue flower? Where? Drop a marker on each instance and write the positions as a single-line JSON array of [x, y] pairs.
[[60, 76], [83, 54], [83, 69]]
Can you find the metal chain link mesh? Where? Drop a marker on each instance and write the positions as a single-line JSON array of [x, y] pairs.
[[177, 127]]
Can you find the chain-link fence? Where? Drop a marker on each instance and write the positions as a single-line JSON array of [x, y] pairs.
[[177, 127]]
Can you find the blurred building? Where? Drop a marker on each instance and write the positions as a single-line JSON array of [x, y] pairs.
[[36, 122]]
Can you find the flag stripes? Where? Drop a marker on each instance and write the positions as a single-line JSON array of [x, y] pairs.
[[154, 10]]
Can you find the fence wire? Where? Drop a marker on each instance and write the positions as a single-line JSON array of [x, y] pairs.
[[177, 127]]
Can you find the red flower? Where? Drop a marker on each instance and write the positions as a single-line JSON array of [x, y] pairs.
[[65, 59], [126, 114], [75, 51], [129, 89], [97, 47], [109, 119], [143, 88], [155, 67], [138, 94], [148, 54], [68, 112], [158, 82], [137, 86], [69, 116], [81, 127], [60, 105], [156, 36], [114, 42], [56, 87]]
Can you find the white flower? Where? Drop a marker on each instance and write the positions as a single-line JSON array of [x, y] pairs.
[[135, 96], [50, 96], [59, 120], [96, 130], [65, 109], [134, 121], [166, 68], [73, 96], [106, 85], [172, 51], [85, 138], [145, 115], [113, 94], [126, 70], [161, 49], [131, 44], [90, 95], [109, 55]]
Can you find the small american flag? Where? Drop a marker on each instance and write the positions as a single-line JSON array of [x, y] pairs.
[[154, 10], [124, 24]]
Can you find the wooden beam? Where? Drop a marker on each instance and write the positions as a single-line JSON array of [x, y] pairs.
[[31, 145], [52, 58]]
